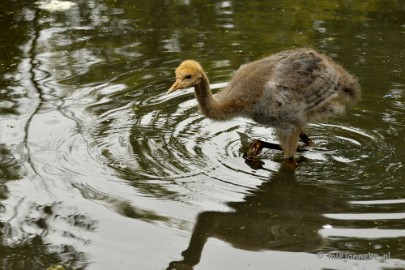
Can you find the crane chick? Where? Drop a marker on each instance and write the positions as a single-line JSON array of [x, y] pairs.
[[286, 90]]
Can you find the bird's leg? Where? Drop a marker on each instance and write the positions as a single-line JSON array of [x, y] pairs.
[[288, 138], [291, 163], [308, 142], [256, 147]]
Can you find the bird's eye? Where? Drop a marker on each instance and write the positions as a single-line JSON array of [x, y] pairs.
[[188, 77]]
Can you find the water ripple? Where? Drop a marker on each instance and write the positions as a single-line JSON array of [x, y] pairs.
[[163, 140]]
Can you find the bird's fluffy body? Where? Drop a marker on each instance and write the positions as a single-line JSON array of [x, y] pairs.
[[291, 87], [285, 90]]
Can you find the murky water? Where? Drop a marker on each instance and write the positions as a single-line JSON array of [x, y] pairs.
[[99, 169]]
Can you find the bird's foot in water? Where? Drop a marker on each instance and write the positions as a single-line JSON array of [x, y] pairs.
[[291, 163], [255, 148]]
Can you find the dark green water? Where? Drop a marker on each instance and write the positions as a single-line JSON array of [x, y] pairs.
[[99, 169]]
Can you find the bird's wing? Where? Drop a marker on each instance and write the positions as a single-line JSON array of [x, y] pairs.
[[305, 79], [298, 71]]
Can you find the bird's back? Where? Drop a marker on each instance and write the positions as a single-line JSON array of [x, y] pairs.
[[290, 86]]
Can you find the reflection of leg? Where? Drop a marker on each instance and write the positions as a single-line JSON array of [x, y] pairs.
[[192, 254], [179, 265]]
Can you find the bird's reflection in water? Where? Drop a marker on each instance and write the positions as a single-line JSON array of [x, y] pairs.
[[281, 214]]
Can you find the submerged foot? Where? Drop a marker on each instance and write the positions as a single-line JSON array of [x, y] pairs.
[[291, 163]]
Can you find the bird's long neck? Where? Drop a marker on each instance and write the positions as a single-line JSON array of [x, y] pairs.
[[208, 105]]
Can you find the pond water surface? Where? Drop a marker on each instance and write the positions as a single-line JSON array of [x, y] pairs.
[[99, 169]]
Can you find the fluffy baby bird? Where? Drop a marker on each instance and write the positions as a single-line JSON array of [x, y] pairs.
[[286, 90]]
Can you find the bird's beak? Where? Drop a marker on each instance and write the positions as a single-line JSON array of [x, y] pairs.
[[175, 86]]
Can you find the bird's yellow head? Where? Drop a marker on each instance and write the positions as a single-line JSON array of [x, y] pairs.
[[188, 74]]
